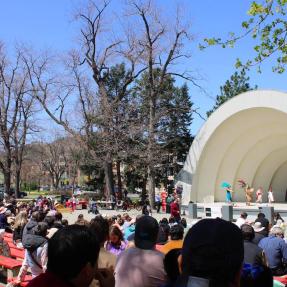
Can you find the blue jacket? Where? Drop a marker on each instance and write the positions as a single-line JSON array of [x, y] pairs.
[[275, 250]]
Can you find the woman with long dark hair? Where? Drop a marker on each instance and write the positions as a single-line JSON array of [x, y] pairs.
[[116, 243]]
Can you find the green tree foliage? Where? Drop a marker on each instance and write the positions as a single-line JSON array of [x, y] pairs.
[[172, 127], [237, 84], [267, 26], [176, 130]]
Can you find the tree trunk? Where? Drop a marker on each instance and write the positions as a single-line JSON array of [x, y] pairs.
[[119, 178], [18, 180], [151, 186], [7, 169], [7, 181], [108, 169], [57, 181], [151, 147]]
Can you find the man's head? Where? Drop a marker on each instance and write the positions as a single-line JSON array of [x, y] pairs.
[[41, 229], [49, 220], [261, 215], [146, 232], [247, 232], [38, 216], [100, 226], [213, 249], [73, 254], [277, 231], [243, 215], [176, 232]]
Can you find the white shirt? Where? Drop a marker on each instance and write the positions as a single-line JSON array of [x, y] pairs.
[[240, 221]]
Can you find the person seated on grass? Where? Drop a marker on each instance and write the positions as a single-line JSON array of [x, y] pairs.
[[163, 231], [72, 260], [171, 266], [100, 227], [264, 223], [275, 249], [176, 239], [212, 255], [20, 222], [141, 266], [116, 243], [253, 254], [242, 219], [256, 276], [81, 220], [259, 232], [36, 254]]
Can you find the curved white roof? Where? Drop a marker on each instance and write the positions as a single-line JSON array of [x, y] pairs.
[[245, 138]]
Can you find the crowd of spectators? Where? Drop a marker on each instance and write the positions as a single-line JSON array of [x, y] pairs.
[[122, 251]]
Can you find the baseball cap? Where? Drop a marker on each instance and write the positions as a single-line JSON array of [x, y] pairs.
[[146, 232], [213, 249]]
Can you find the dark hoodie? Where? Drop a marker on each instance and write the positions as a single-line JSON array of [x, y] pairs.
[[31, 241]]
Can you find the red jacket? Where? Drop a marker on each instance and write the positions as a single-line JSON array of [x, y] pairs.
[[174, 209], [48, 279]]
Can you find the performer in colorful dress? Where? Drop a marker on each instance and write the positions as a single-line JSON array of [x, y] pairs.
[[163, 200], [259, 195], [228, 189], [248, 191], [270, 195]]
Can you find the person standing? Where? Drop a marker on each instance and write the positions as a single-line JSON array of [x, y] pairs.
[[163, 200], [259, 195], [157, 202], [270, 195], [74, 203], [228, 189], [175, 211], [169, 200], [146, 210]]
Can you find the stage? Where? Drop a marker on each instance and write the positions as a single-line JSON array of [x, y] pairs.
[[204, 209]]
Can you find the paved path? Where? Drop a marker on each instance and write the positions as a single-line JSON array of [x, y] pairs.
[[72, 217]]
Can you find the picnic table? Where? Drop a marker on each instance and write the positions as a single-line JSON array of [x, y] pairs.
[[108, 204]]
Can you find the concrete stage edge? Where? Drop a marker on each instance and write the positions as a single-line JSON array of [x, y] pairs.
[[238, 207]]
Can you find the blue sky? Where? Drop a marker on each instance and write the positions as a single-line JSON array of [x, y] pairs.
[[48, 24]]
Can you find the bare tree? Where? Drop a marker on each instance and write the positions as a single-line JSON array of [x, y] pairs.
[[94, 58], [54, 160], [13, 113], [19, 137]]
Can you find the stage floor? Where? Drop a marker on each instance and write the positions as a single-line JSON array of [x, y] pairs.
[[238, 207]]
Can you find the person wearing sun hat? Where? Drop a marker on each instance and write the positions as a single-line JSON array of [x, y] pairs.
[[259, 232]]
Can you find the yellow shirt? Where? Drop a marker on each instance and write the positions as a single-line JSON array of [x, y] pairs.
[[172, 244]]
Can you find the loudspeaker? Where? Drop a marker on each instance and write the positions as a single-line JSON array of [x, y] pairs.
[[192, 210], [269, 213], [227, 212]]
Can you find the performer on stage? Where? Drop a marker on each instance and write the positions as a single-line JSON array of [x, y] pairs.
[[259, 195], [163, 196], [228, 190], [270, 195], [248, 191]]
